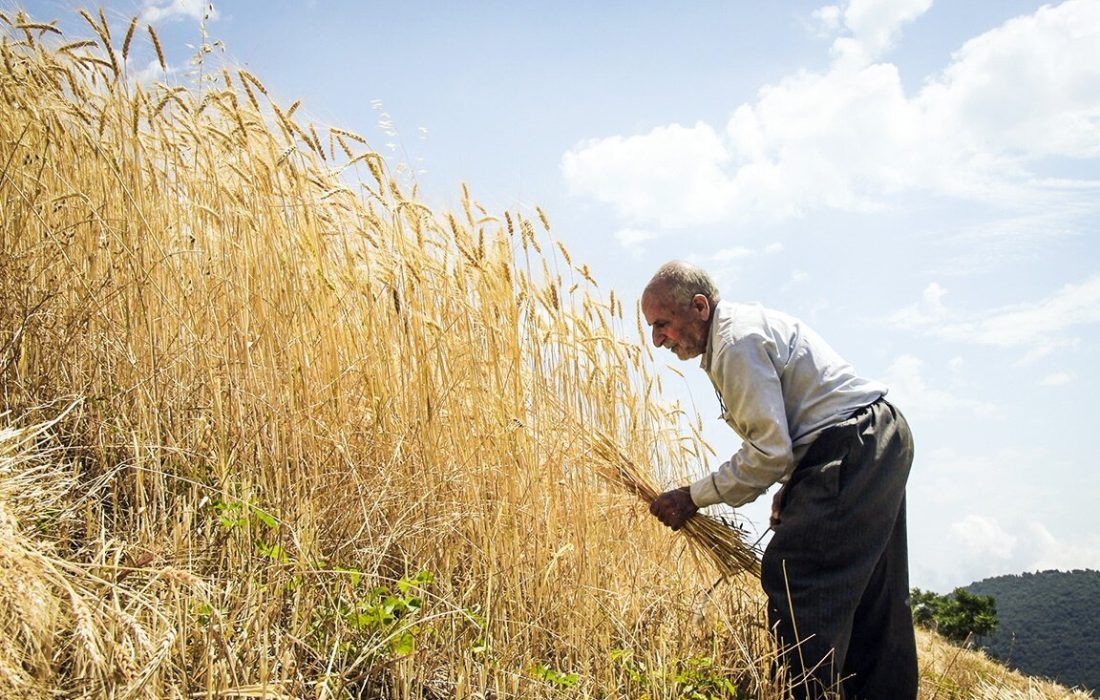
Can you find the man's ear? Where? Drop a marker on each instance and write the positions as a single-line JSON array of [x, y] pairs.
[[702, 305]]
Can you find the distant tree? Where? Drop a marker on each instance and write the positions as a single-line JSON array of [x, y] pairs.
[[960, 616], [966, 616], [924, 604]]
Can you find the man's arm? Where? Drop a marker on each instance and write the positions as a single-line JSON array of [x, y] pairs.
[[753, 394], [749, 382]]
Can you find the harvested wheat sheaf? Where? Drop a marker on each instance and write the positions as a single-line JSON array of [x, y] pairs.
[[722, 544]]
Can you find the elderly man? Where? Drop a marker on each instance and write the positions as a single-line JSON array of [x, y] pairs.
[[835, 572]]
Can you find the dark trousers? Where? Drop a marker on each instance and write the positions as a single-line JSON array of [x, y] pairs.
[[836, 571]]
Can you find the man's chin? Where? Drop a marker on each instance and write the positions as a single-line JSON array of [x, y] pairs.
[[684, 355]]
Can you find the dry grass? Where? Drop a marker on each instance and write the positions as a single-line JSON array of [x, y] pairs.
[[950, 672], [256, 389]]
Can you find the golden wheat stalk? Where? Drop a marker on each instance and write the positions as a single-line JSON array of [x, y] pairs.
[[723, 545]]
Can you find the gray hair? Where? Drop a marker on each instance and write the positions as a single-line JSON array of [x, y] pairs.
[[679, 281]]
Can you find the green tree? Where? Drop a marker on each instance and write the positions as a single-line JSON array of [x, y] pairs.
[[966, 615], [924, 604], [960, 616]]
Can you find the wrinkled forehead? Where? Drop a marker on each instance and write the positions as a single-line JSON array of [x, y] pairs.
[[657, 303], [656, 291], [660, 292]]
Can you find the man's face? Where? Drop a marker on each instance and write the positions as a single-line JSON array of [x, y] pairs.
[[677, 327]]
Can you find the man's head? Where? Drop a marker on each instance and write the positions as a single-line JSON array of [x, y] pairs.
[[677, 304]]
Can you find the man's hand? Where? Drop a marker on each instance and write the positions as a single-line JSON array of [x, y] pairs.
[[673, 508], [777, 505]]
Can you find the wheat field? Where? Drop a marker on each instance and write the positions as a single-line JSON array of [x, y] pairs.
[[274, 428]]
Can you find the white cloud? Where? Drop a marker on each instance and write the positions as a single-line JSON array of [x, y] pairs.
[[908, 388], [982, 535], [1043, 323], [148, 74], [1058, 379], [157, 10], [995, 509], [927, 312], [851, 139], [1030, 86], [933, 296], [828, 18], [731, 254], [1050, 552], [773, 248], [980, 546], [874, 25], [671, 176], [634, 240], [1038, 327]]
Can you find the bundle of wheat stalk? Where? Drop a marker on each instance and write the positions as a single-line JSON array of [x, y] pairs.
[[725, 546]]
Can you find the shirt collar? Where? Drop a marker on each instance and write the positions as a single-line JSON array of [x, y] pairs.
[[704, 362]]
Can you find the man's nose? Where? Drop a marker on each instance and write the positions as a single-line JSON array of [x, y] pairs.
[[658, 338]]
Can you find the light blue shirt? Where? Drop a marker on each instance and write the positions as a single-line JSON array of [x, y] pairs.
[[780, 385]]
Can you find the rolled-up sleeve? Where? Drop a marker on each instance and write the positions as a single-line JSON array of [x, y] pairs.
[[746, 375]]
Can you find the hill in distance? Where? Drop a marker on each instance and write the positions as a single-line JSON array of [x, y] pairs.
[[1049, 624]]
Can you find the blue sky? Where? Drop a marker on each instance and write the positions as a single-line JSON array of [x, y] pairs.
[[917, 179]]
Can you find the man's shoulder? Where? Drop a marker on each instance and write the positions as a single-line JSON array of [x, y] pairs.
[[742, 333], [741, 321]]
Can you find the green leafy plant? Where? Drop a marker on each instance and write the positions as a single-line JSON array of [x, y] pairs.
[[245, 516], [372, 621], [558, 679], [696, 678], [480, 647], [273, 552], [635, 670], [231, 514], [203, 613], [239, 514]]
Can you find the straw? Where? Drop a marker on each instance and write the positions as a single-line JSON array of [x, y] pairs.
[[725, 546]]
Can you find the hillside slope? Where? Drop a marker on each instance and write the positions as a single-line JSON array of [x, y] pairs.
[[949, 671], [1049, 624]]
